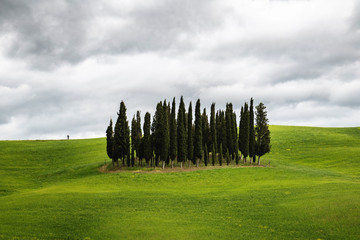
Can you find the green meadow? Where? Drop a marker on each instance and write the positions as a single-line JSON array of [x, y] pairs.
[[309, 189]]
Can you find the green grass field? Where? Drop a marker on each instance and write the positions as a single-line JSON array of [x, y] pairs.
[[53, 190]]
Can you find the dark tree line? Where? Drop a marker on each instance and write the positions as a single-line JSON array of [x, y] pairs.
[[169, 138]]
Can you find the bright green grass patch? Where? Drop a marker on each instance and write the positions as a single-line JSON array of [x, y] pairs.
[[53, 190]]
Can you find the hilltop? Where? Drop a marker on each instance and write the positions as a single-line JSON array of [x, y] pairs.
[[54, 190]]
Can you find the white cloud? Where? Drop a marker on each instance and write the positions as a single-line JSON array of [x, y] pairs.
[[65, 67]]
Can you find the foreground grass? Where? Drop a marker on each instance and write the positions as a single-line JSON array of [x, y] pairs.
[[53, 190]]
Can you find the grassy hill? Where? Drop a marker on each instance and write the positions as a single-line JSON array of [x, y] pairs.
[[53, 190]]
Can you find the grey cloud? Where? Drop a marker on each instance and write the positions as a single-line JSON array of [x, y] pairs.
[[307, 55], [48, 34]]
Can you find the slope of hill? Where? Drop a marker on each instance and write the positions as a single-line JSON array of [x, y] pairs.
[[53, 190]]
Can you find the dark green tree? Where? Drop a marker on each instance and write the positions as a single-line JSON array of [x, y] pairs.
[[198, 134], [262, 132], [205, 129], [138, 136], [220, 155], [235, 133], [251, 131], [223, 130], [165, 143], [173, 133], [122, 136], [110, 141], [230, 145], [190, 147], [241, 130], [245, 137], [213, 135], [134, 131], [157, 129], [213, 154], [147, 139], [181, 134]]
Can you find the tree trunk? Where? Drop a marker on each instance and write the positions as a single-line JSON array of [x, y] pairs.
[[163, 164], [180, 164], [197, 163], [259, 160]]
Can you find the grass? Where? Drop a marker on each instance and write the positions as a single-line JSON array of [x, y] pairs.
[[53, 190]]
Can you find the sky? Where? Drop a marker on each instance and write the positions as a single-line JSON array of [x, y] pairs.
[[65, 66]]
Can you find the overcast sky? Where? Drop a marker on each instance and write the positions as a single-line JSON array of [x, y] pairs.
[[66, 65]]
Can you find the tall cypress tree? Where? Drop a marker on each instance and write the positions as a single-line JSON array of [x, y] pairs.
[[165, 143], [229, 128], [110, 141], [223, 130], [235, 132], [181, 134], [133, 140], [205, 129], [198, 134], [245, 136], [190, 147], [138, 136], [262, 132], [241, 130], [218, 130], [147, 140], [173, 133], [213, 127], [251, 132], [158, 132], [122, 136]]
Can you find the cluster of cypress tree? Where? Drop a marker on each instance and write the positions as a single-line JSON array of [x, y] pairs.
[[168, 139]]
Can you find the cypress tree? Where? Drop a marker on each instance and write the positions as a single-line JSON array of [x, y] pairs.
[[218, 130], [213, 135], [251, 132], [122, 136], [213, 154], [110, 141], [190, 147], [134, 131], [262, 132], [173, 133], [147, 140], [235, 132], [245, 139], [165, 141], [181, 135], [223, 130], [241, 130], [220, 155], [198, 134], [229, 128], [138, 136], [158, 132], [205, 129]]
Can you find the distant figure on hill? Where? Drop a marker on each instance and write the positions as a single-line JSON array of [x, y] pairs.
[[67, 137]]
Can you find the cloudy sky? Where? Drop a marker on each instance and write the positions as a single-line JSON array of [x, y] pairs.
[[66, 65]]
